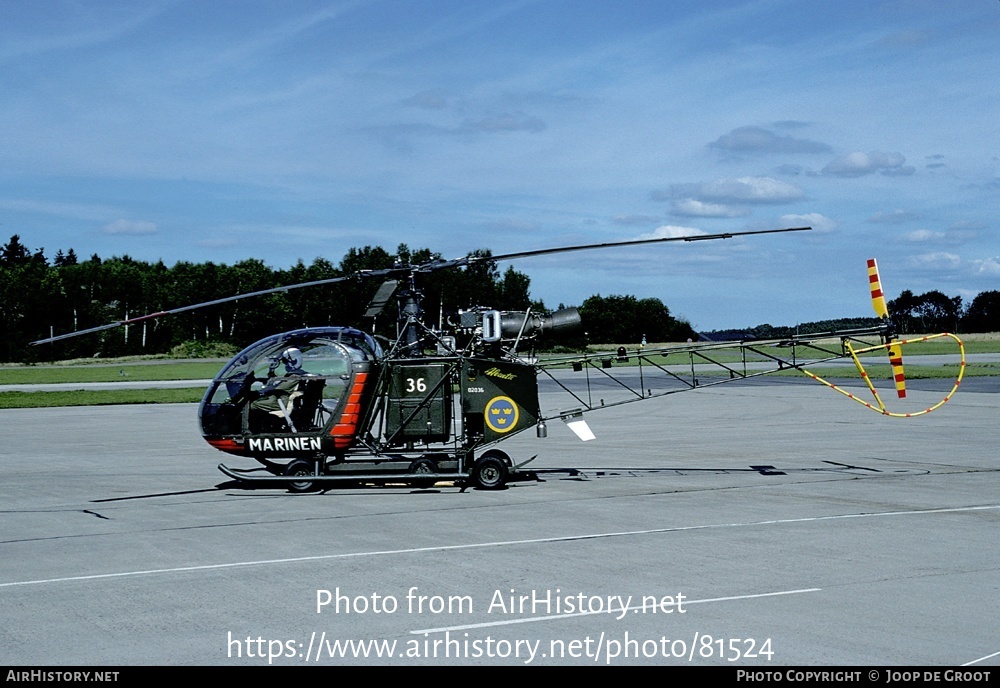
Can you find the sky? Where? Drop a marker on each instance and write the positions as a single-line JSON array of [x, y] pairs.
[[194, 130]]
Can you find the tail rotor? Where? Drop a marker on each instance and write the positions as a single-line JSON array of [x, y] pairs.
[[882, 311]]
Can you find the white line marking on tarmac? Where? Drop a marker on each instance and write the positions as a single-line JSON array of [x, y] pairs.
[[981, 659], [549, 617], [483, 545]]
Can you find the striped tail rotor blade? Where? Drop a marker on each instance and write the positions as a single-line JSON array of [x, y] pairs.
[[878, 296], [896, 361], [882, 311]]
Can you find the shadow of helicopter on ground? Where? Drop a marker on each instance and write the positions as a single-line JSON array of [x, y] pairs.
[[580, 474]]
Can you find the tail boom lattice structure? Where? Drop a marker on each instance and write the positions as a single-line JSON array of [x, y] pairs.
[[602, 380]]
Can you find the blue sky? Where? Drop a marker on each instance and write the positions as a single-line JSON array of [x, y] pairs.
[[206, 130]]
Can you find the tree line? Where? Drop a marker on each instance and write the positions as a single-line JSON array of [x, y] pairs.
[[41, 297], [911, 313]]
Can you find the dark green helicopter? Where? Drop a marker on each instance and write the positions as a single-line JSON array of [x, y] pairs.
[[325, 404]]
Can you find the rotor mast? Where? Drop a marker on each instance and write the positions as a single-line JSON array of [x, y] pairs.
[[411, 316]]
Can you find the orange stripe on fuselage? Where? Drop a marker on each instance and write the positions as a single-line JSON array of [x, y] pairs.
[[227, 445], [345, 429]]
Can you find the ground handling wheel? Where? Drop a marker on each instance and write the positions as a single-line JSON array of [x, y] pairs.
[[423, 465], [302, 468], [490, 471]]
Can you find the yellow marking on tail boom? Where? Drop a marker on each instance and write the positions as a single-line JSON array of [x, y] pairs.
[[881, 406]]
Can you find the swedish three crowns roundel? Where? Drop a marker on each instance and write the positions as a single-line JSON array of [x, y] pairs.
[[501, 414]]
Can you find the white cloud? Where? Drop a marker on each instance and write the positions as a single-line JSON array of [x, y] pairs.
[[921, 235], [130, 227], [819, 223], [759, 140], [671, 232], [957, 234], [860, 164], [690, 207], [936, 261], [989, 267], [738, 190]]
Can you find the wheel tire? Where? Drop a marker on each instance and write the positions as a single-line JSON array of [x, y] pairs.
[[490, 473], [423, 466], [300, 468]]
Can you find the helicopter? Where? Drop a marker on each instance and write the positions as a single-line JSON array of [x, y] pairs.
[[320, 405]]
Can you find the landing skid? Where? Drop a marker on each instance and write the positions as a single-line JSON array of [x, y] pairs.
[[489, 476]]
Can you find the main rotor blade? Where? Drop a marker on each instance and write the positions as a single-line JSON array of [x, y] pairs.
[[403, 270], [361, 274], [634, 242], [381, 298]]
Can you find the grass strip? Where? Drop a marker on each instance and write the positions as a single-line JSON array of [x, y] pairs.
[[42, 375], [100, 397]]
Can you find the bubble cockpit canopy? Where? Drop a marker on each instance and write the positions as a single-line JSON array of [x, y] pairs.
[[287, 383]]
